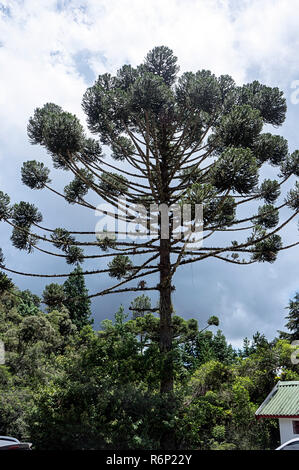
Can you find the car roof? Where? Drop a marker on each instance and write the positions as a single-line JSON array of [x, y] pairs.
[[296, 439], [10, 439], [292, 440]]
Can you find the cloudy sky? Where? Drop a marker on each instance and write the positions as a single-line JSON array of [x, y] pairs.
[[52, 51]]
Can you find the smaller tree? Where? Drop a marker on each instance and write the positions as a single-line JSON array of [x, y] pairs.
[[6, 283], [223, 351], [29, 303], [76, 299], [293, 320], [140, 306], [73, 295], [54, 296]]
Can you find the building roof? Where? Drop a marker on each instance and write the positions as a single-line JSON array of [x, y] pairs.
[[282, 402]]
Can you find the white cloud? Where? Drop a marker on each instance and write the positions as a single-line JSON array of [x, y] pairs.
[[203, 33]]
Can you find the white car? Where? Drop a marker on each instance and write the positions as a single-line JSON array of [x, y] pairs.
[[293, 444], [11, 443]]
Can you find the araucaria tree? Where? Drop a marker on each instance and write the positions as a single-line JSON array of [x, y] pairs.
[[73, 295], [189, 139]]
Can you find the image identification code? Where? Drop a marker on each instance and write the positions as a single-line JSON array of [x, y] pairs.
[[152, 459]]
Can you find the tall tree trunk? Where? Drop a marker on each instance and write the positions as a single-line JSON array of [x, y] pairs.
[[167, 441], [165, 317]]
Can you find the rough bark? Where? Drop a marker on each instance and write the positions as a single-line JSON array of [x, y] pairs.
[[165, 318], [167, 441]]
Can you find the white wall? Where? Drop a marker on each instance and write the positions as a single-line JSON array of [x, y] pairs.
[[286, 429]]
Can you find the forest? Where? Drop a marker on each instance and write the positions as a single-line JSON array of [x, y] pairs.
[[65, 386]]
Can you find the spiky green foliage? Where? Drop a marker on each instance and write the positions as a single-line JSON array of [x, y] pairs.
[[266, 250], [120, 266], [122, 147], [270, 102], [270, 190], [292, 318], [114, 184], [76, 299], [240, 128], [37, 122], [91, 150], [268, 216], [62, 239], [35, 174], [271, 148], [29, 303], [59, 132], [6, 283], [24, 215], [4, 205], [74, 254], [213, 320], [293, 197], [1, 257], [79, 187], [161, 61], [54, 296], [236, 170], [140, 306]]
